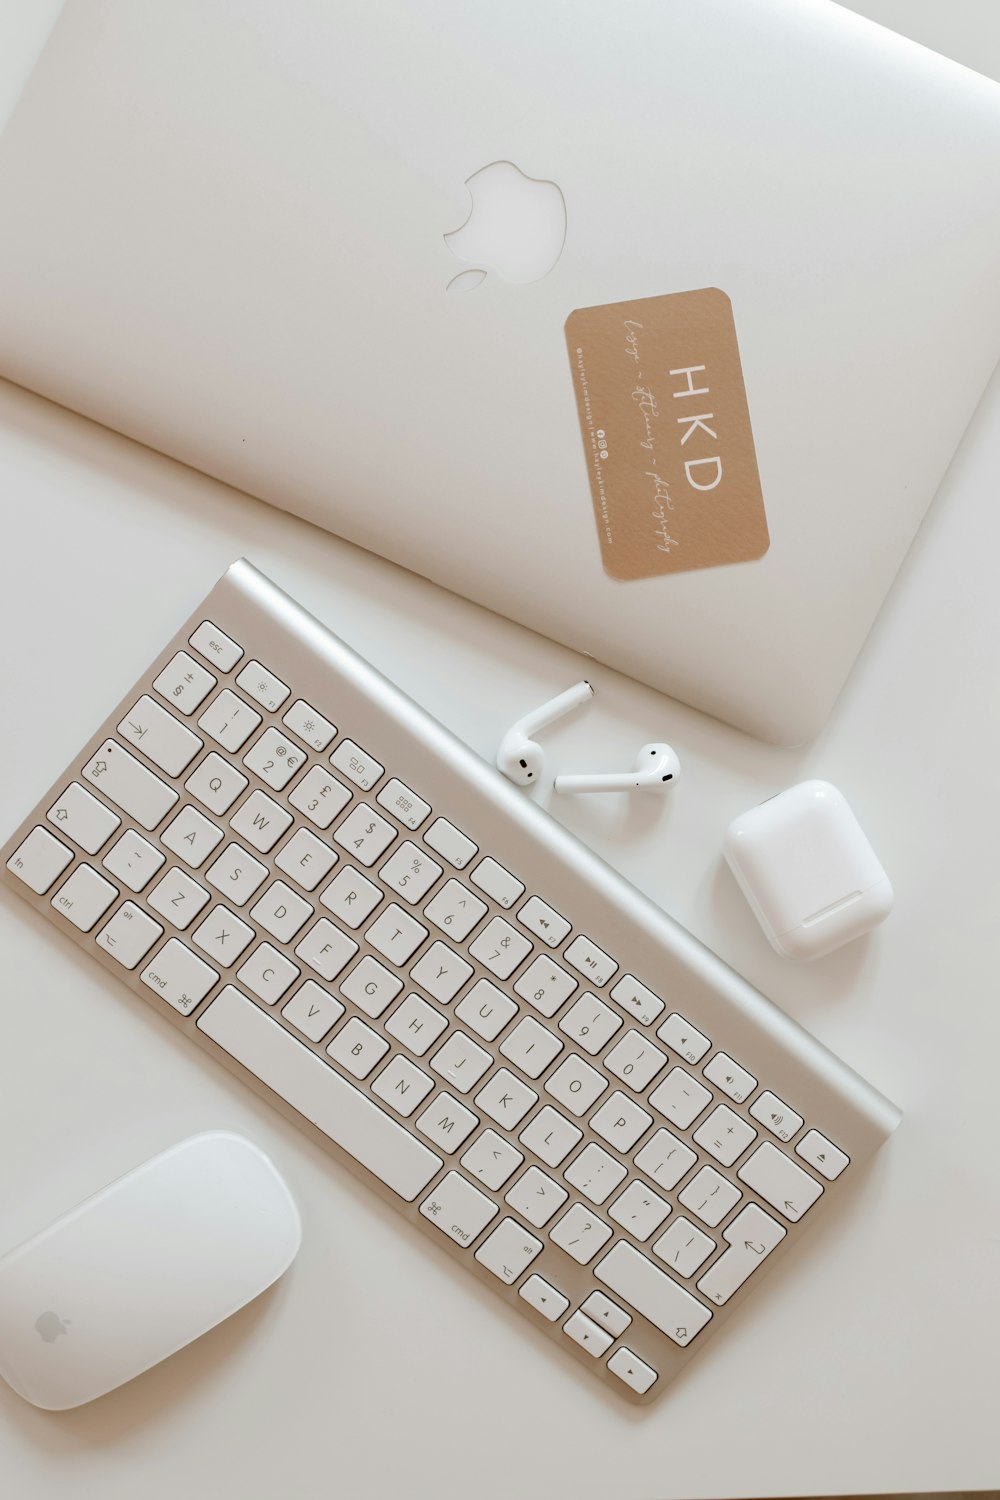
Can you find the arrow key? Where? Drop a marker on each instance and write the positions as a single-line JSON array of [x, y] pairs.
[[587, 1334], [634, 1371], [544, 1298]]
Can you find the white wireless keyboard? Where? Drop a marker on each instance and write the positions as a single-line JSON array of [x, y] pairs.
[[327, 891]]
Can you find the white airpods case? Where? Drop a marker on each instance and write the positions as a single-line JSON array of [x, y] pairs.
[[804, 864]]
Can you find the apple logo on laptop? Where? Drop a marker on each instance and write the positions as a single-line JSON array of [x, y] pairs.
[[50, 1325], [516, 227]]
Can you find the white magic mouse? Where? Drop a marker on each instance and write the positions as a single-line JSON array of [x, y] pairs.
[[152, 1261]]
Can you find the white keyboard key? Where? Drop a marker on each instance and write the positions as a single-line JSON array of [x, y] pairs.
[[274, 759], [492, 1159], [309, 725], [773, 1113], [637, 999], [635, 1061], [127, 784], [236, 874], [543, 921], [550, 1136], [216, 646], [684, 1247], [129, 935], [320, 796], [587, 1334], [462, 1061], [216, 783], [282, 913], [371, 986], [486, 1010], [191, 836], [159, 736], [416, 1024], [590, 1023], [309, 1085], [826, 1158], [576, 1084], [446, 1123], [497, 882], [441, 972], [636, 1374], [595, 1173], [357, 765], [620, 1121], [606, 1314], [775, 1178], [455, 910], [82, 818], [312, 1011], [531, 1047], [306, 859], [545, 985], [683, 1038], [402, 1084], [590, 961], [665, 1159], [223, 936], [405, 805], [229, 721], [410, 872], [258, 683], [445, 839], [653, 1293], [508, 1251], [751, 1237], [458, 1209], [39, 860], [395, 934], [365, 834], [506, 1099], [351, 897], [184, 683], [729, 1077], [543, 1298], [639, 1210], [84, 898], [178, 898], [499, 948], [680, 1098], [536, 1197], [260, 821], [326, 949], [724, 1135], [358, 1048], [133, 860], [267, 973], [179, 976], [581, 1234], [710, 1196]]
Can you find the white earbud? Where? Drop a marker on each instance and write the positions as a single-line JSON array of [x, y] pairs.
[[519, 757], [656, 769]]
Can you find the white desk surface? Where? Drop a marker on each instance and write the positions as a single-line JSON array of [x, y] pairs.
[[374, 1370]]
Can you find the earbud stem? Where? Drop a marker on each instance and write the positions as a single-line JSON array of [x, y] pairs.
[[579, 693], [624, 781]]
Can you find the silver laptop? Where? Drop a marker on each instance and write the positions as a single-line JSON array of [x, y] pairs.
[[652, 327]]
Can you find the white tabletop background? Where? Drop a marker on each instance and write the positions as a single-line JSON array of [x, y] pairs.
[[375, 1369]]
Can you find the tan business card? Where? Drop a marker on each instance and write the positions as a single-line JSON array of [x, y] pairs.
[[666, 434]]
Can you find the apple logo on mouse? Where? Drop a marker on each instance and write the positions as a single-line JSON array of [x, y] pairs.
[[516, 227], [50, 1325]]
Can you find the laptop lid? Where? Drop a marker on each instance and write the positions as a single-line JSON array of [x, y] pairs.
[[225, 235]]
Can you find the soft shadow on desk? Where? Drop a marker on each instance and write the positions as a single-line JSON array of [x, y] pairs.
[[147, 1398]]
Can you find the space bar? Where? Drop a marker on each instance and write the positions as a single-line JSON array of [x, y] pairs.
[[341, 1111]]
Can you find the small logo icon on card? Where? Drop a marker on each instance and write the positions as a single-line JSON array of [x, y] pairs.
[[666, 434]]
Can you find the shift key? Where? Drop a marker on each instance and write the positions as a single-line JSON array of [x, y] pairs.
[[126, 782]]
